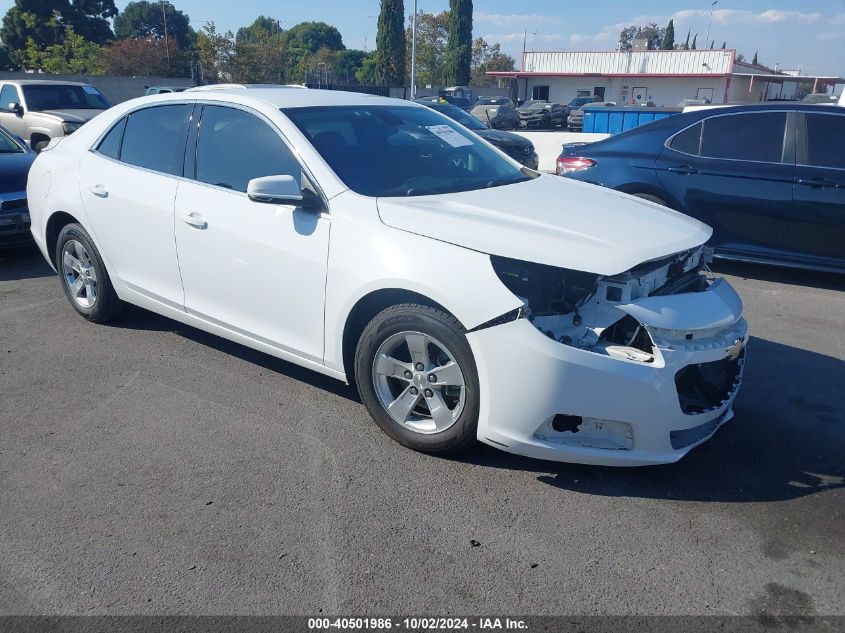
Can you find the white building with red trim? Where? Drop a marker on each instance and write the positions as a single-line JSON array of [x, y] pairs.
[[664, 77]]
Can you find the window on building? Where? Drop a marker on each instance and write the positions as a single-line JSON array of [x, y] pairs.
[[756, 136], [540, 93]]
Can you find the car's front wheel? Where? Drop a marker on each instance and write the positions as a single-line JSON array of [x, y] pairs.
[[417, 377], [83, 276]]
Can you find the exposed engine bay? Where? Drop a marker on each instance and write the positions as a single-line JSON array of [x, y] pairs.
[[581, 309]]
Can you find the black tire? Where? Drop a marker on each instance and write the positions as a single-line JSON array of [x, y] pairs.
[[651, 198], [106, 306], [39, 146], [446, 329]]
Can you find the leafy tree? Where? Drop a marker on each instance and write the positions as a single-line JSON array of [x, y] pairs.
[[724, 44], [312, 36], [74, 55], [216, 52], [368, 72], [754, 59], [432, 34], [488, 57], [348, 63], [261, 57], [6, 62], [686, 43], [390, 43], [669, 37], [694, 40], [458, 63], [46, 22], [262, 26], [650, 32], [146, 57], [146, 19]]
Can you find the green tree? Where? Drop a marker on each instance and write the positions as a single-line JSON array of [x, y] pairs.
[[652, 33], [46, 22], [390, 43], [146, 57], [432, 34], [6, 62], [262, 26], [724, 44], [488, 58], [457, 67], [754, 59], [669, 37], [694, 40], [262, 58], [215, 53], [312, 36], [74, 55], [147, 20], [686, 43], [368, 72]]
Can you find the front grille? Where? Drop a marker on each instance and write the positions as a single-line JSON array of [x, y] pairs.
[[707, 386], [9, 205]]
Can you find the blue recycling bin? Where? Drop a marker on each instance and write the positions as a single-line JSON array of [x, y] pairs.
[[616, 119]]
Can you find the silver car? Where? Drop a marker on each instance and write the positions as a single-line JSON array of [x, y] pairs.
[[40, 110]]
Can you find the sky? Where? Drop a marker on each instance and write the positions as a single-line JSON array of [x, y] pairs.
[[809, 34]]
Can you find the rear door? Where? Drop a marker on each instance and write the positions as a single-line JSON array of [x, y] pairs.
[[128, 185], [817, 226], [734, 172]]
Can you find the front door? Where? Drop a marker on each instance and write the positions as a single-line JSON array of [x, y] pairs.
[[734, 173], [128, 186], [817, 225], [639, 94], [254, 268]]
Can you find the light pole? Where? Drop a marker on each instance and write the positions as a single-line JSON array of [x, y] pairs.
[[164, 4], [710, 20], [414, 55]]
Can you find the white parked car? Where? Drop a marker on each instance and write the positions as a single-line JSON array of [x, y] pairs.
[[381, 243]]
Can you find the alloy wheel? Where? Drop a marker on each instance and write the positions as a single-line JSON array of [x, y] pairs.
[[79, 274]]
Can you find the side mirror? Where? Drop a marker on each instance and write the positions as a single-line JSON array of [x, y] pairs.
[[282, 190], [15, 107]]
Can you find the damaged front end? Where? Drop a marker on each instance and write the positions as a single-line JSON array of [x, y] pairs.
[[669, 317]]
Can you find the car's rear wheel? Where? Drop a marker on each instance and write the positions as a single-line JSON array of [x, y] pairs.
[[83, 276], [417, 377]]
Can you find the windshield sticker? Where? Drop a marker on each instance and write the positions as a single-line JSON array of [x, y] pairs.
[[91, 90], [449, 135]]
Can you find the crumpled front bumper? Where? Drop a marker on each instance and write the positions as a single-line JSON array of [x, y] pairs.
[[631, 411]]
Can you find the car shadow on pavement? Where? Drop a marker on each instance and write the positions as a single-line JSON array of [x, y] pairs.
[[23, 261], [786, 441], [777, 274]]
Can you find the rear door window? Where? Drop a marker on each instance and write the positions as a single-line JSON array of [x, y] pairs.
[[756, 136], [825, 140], [110, 145], [155, 138]]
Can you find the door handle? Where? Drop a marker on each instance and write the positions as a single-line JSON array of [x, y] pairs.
[[685, 170], [194, 219], [98, 190], [817, 182]]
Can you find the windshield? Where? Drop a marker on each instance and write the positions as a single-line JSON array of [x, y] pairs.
[[461, 116], [401, 150], [7, 145], [40, 97]]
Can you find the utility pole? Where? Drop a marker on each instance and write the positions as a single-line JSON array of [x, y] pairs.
[[164, 17], [710, 20], [414, 55]]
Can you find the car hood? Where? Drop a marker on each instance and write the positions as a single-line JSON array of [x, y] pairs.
[[550, 220], [498, 137], [13, 171], [74, 116], [530, 110]]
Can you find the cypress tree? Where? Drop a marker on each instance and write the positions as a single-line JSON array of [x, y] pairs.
[[754, 61], [390, 43], [694, 40], [669, 37], [457, 66], [724, 45], [686, 44]]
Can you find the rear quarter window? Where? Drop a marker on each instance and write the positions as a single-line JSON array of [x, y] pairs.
[[688, 141]]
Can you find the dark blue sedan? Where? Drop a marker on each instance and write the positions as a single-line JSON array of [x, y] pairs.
[[769, 178], [15, 160]]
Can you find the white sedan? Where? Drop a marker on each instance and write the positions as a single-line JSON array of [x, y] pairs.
[[381, 243]]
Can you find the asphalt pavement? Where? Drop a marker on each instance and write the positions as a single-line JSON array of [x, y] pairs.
[[147, 467]]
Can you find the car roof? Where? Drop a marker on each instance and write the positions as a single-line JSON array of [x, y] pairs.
[[41, 82], [717, 108], [283, 98]]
